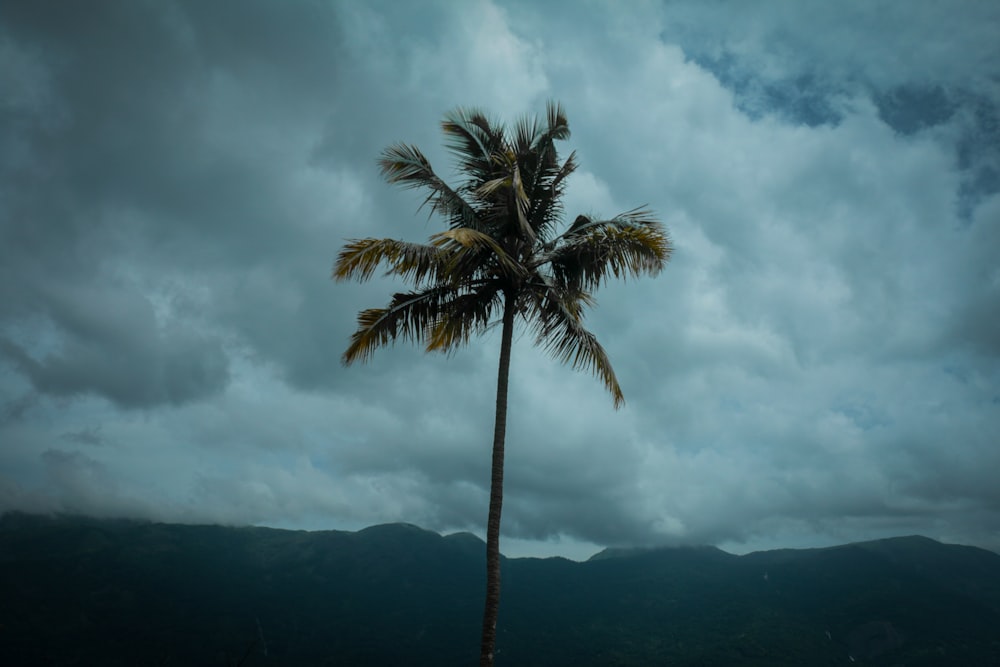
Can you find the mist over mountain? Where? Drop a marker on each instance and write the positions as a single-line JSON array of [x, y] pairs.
[[82, 591]]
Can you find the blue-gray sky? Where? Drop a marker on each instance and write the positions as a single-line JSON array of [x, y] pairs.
[[819, 363]]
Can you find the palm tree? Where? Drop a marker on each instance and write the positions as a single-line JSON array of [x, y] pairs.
[[501, 254]]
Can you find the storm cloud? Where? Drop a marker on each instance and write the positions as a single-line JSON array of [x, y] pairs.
[[820, 361]]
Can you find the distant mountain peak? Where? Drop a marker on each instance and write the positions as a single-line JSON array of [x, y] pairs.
[[465, 537], [400, 527], [629, 552]]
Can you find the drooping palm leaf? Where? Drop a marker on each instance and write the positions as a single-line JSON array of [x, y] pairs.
[[359, 259], [468, 314], [629, 245], [410, 316], [587, 259], [557, 319], [471, 252]]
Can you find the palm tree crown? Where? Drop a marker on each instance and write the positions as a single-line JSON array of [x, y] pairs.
[[501, 245], [500, 253]]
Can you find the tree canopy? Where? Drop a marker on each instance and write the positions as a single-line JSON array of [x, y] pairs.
[[503, 242]]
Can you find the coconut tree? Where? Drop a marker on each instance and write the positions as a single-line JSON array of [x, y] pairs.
[[507, 254]]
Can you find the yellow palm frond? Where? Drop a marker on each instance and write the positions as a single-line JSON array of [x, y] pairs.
[[463, 245], [625, 247], [409, 316], [359, 258]]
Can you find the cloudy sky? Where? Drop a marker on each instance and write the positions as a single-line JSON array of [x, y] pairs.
[[819, 362]]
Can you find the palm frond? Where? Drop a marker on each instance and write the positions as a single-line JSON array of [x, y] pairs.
[[547, 205], [405, 165], [474, 139], [558, 124], [540, 173], [359, 259], [637, 217], [409, 316], [462, 317], [487, 189], [567, 168], [543, 147], [526, 132], [618, 252], [558, 323], [522, 204], [629, 245], [469, 248]]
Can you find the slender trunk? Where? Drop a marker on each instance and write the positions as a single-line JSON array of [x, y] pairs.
[[489, 636]]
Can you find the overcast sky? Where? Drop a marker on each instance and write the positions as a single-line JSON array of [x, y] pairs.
[[819, 362]]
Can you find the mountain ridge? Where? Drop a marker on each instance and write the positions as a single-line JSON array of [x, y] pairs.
[[94, 591], [13, 517]]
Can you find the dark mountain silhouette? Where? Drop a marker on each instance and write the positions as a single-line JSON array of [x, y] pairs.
[[77, 591]]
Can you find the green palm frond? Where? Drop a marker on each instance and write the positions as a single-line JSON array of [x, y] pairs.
[[359, 259]]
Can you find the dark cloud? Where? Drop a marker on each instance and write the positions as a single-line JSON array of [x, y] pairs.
[[910, 108], [85, 436], [800, 98], [113, 348], [818, 363]]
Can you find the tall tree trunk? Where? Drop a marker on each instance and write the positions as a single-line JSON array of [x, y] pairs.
[[489, 636]]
